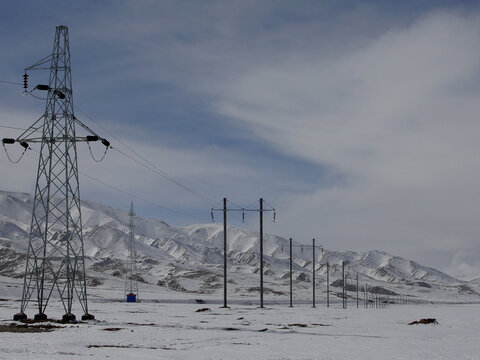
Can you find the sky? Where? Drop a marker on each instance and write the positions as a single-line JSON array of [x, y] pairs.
[[358, 121]]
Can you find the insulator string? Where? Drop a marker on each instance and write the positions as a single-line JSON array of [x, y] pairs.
[[10, 159], [93, 157]]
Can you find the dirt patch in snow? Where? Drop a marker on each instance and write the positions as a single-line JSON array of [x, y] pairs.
[[25, 328], [424, 321], [202, 310], [298, 325], [266, 290], [129, 347]]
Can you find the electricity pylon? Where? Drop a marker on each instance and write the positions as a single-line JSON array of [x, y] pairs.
[[131, 278], [55, 257]]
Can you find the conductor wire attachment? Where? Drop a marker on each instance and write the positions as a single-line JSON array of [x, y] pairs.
[[9, 141]]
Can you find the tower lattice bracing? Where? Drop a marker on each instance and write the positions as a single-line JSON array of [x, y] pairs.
[[131, 277], [55, 265]]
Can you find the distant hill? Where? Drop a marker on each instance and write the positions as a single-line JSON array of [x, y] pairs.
[[191, 258]]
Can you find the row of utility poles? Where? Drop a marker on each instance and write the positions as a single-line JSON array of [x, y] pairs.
[[261, 209]]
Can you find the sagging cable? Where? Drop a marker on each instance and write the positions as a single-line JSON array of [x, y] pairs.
[[12, 141], [104, 142]]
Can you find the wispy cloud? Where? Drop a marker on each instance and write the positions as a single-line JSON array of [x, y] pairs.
[[358, 120]]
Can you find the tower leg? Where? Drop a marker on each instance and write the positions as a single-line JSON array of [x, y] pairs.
[[69, 318], [20, 316], [40, 317], [88, 317]]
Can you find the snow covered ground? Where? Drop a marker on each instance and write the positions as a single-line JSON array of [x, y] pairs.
[[166, 325]]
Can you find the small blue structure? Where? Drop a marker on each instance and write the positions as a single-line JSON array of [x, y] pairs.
[[131, 297]]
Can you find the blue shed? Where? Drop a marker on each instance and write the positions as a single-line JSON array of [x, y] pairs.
[[131, 297]]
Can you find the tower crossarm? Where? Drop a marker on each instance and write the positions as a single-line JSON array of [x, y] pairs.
[[56, 139], [27, 136]]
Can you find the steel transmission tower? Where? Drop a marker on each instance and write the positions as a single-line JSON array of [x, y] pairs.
[[55, 265], [131, 278]]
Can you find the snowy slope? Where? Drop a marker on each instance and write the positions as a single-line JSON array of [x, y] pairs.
[[191, 258]]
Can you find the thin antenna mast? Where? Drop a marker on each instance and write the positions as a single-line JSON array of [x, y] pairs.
[[131, 278]]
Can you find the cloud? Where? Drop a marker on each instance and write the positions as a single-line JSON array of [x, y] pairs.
[[358, 122], [465, 264], [397, 118]]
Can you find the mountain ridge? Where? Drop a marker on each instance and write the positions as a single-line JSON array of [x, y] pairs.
[[106, 235]]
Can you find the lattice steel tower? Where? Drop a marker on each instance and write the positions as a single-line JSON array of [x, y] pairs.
[[55, 263], [131, 278]]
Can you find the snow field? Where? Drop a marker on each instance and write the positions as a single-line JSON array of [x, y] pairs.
[[174, 330]]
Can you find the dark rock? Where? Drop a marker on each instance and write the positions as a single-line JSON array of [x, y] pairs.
[[339, 283], [202, 310], [303, 277], [424, 321], [424, 284], [380, 291]]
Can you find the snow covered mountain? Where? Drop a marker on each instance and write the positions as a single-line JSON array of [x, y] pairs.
[[191, 258]]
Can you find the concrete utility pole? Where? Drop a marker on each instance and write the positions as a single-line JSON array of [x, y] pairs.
[[291, 280]]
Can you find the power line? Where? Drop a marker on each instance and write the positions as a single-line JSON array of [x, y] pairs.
[[152, 167], [11, 127], [10, 82], [140, 198], [160, 173], [134, 196], [164, 175]]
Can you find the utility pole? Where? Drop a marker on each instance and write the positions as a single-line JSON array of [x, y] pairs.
[[225, 252], [346, 290], [262, 210], [366, 295], [55, 260], [328, 284], [343, 285], [291, 269], [261, 252], [357, 291], [224, 210], [313, 272]]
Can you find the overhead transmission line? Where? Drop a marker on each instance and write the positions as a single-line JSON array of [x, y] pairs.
[[140, 198], [160, 173], [135, 196], [12, 127], [146, 163], [10, 82], [114, 187]]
